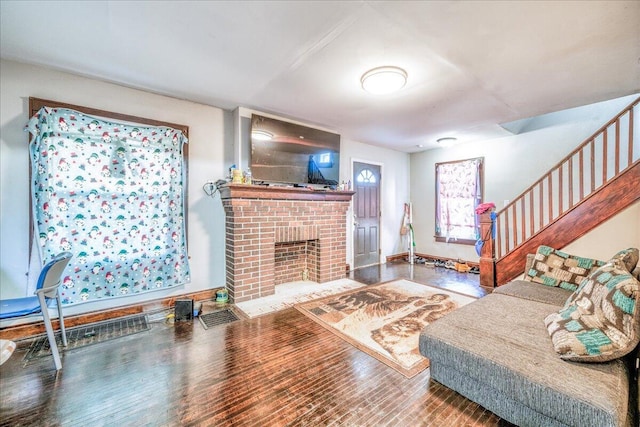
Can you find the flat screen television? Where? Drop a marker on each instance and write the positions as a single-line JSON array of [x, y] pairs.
[[287, 153]]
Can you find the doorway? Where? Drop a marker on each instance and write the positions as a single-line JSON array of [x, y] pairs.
[[366, 214]]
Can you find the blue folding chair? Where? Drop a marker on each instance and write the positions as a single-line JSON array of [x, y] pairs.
[[47, 288]]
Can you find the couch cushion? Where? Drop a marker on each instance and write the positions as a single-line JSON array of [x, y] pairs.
[[552, 267], [601, 320], [500, 341], [534, 292], [629, 258]]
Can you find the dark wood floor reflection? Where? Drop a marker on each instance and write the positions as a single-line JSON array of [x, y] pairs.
[[439, 276], [277, 370]]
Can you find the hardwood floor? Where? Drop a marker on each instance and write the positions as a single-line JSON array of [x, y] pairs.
[[276, 370]]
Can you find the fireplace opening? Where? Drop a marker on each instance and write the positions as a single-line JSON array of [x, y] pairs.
[[296, 261]]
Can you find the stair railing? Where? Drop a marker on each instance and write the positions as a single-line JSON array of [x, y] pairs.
[[614, 148]]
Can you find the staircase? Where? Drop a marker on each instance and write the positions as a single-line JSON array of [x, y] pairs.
[[593, 183]]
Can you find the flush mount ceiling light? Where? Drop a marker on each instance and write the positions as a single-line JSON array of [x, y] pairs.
[[261, 135], [383, 80], [447, 141]]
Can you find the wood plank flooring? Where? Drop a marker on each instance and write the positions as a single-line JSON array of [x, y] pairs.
[[281, 369]]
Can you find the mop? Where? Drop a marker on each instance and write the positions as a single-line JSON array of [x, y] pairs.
[[407, 228]]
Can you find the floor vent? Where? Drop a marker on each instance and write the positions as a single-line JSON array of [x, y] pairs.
[[94, 333], [217, 318]]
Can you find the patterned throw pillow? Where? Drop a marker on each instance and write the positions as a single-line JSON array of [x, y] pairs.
[[552, 267], [601, 320], [629, 258]]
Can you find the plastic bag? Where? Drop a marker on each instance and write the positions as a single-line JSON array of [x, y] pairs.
[[479, 245]]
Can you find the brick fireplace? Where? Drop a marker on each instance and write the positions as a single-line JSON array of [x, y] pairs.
[[277, 235]]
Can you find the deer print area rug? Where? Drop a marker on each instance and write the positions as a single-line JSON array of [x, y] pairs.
[[385, 320]]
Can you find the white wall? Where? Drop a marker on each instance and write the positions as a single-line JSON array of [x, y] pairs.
[[210, 153], [621, 232], [511, 165]]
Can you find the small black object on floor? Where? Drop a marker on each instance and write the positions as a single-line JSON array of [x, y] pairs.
[[93, 333], [183, 309], [216, 318]]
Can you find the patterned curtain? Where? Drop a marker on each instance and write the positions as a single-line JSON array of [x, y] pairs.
[[113, 195], [459, 191]]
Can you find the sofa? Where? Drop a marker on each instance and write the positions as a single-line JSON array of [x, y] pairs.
[[509, 352]]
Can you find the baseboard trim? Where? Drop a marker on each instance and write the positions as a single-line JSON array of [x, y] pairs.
[[37, 328], [402, 256], [397, 257]]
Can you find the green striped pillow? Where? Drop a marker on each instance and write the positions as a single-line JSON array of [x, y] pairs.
[[552, 267]]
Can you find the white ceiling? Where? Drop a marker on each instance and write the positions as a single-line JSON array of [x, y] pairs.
[[472, 65]]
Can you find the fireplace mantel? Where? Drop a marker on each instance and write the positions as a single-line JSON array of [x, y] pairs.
[[243, 191]]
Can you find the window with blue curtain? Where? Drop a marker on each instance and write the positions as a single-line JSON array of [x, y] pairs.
[[458, 192], [113, 194]]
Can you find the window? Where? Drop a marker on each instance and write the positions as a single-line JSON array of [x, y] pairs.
[[112, 193], [325, 160], [366, 176], [459, 187]]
